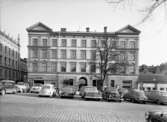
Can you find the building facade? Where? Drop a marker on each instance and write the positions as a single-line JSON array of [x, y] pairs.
[[149, 82], [23, 70], [61, 56], [9, 58]]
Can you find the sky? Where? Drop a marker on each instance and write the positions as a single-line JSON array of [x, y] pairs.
[[76, 15]]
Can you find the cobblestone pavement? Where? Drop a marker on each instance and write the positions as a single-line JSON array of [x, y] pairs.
[[20, 108]]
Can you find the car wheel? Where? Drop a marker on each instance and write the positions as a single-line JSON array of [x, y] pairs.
[[3, 92]]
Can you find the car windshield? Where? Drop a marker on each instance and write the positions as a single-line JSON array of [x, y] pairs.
[[91, 89], [37, 84], [20, 83], [46, 87]]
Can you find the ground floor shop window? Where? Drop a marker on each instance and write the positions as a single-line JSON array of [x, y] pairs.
[[127, 84], [68, 82]]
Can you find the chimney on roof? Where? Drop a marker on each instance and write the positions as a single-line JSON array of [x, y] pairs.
[[87, 29], [63, 29], [105, 29]]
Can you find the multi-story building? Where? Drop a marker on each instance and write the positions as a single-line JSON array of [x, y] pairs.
[[9, 58], [61, 56]]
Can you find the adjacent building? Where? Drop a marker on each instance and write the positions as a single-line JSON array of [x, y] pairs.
[[23, 70], [149, 82], [61, 56], [9, 58]]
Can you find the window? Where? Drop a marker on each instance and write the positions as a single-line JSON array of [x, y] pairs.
[[63, 66], [44, 54], [122, 44], [83, 54], [161, 89], [83, 43], [148, 88], [73, 66], [131, 69], [93, 43], [34, 67], [131, 56], [93, 54], [52, 66], [0, 72], [112, 83], [132, 44], [92, 67], [122, 56], [35, 42], [54, 54], [43, 67], [83, 67], [44, 42], [73, 43], [0, 47], [127, 84], [63, 54], [63, 42], [73, 54], [34, 53], [0, 59], [103, 43], [54, 42]]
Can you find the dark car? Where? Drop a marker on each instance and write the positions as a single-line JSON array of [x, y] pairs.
[[156, 116], [135, 95], [67, 91], [8, 86], [90, 92], [111, 94]]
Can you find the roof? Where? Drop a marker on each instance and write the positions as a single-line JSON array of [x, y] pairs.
[[128, 29], [40, 27], [152, 78]]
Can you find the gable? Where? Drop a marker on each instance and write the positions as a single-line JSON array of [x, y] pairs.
[[128, 30], [39, 27]]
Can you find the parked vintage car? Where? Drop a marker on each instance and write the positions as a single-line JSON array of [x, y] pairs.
[[111, 94], [36, 88], [8, 86], [67, 91], [90, 92], [22, 87], [135, 95], [156, 116], [156, 96], [47, 90]]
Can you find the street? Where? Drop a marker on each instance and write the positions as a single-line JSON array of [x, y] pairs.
[[31, 108]]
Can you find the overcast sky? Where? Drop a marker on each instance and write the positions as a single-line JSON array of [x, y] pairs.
[[76, 15]]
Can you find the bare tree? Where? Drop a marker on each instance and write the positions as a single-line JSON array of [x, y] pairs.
[[106, 58], [153, 5]]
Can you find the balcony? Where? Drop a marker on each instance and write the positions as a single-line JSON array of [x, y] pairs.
[[39, 46]]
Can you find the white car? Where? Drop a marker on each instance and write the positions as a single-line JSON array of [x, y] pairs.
[[36, 88], [22, 87], [47, 90]]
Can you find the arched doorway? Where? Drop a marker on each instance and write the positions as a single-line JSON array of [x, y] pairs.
[[82, 82]]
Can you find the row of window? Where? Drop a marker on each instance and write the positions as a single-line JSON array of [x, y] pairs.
[[44, 54], [8, 74], [52, 67], [149, 89], [94, 43], [8, 52], [8, 62]]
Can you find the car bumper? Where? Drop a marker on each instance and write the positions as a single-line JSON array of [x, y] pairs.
[[93, 97]]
